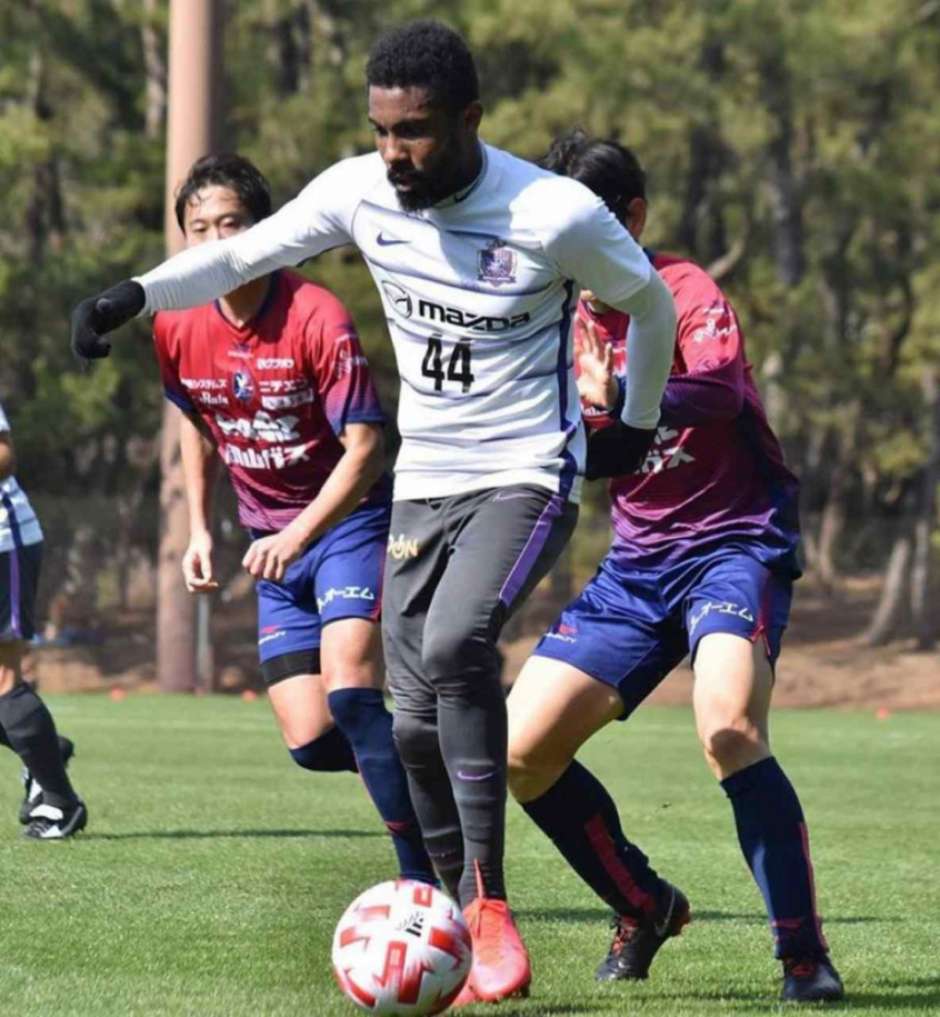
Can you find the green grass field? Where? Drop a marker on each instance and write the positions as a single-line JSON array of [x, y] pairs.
[[213, 870]]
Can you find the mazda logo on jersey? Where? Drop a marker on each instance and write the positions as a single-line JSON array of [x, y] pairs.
[[399, 298], [243, 386]]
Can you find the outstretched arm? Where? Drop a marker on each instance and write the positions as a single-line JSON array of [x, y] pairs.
[[314, 221]]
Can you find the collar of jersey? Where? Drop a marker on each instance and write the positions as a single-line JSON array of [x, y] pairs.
[[462, 195], [251, 325]]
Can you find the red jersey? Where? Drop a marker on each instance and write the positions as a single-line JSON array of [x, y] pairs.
[[274, 393], [715, 474]]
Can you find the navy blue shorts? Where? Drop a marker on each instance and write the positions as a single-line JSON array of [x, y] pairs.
[[339, 576], [630, 627], [19, 578]]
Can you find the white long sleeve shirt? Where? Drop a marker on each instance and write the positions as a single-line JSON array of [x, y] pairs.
[[478, 293]]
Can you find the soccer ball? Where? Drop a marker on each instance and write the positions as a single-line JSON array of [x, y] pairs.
[[402, 949]]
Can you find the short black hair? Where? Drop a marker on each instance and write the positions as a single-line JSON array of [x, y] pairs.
[[608, 168], [226, 170], [425, 54]]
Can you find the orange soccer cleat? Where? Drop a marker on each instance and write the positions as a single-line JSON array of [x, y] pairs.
[[501, 965]]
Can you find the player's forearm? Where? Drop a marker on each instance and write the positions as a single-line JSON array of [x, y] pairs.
[[346, 486], [651, 341], [200, 471]]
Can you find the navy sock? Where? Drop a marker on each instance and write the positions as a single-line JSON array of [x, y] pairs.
[[363, 718], [330, 753], [30, 732], [773, 837], [581, 819]]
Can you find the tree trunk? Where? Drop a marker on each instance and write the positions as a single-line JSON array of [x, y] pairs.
[[195, 53], [785, 190], [152, 44], [884, 623], [925, 615], [832, 521]]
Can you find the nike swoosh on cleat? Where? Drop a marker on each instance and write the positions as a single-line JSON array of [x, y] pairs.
[[384, 241], [662, 927], [473, 776]]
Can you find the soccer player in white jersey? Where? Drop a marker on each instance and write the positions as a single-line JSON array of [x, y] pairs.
[[51, 809], [477, 256]]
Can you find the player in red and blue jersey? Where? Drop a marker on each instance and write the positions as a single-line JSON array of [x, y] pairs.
[[702, 562], [271, 380]]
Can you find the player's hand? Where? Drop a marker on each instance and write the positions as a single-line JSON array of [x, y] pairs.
[[596, 382], [597, 306], [616, 450], [96, 316], [197, 564], [268, 557]]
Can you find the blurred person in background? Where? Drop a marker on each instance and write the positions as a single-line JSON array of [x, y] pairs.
[[51, 810]]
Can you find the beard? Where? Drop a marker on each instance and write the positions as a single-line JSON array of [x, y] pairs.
[[424, 188], [419, 194]]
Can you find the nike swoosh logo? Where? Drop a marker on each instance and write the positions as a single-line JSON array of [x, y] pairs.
[[475, 776], [384, 241], [511, 497], [662, 927]]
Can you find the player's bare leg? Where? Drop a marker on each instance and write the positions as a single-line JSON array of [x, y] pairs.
[[731, 698], [301, 710], [554, 708], [733, 686]]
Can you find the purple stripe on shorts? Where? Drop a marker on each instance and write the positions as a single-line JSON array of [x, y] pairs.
[[15, 593], [531, 551]]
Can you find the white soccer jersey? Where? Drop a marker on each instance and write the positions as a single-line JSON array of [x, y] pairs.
[[18, 523], [478, 292]]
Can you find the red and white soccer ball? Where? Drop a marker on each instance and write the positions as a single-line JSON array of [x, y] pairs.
[[402, 949]]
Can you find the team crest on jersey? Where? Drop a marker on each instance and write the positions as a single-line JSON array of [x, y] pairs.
[[497, 263], [243, 386]]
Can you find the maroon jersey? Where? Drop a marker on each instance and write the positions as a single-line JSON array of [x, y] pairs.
[[275, 392], [715, 474]]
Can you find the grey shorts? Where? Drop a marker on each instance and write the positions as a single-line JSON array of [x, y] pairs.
[[456, 569]]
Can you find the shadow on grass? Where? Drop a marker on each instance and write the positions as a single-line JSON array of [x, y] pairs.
[[600, 915], [209, 834], [896, 995], [536, 1007]]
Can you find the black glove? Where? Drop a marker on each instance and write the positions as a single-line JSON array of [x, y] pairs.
[[616, 450], [94, 317]]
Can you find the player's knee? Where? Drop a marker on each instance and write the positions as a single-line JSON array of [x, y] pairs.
[[328, 753], [462, 661], [447, 651], [531, 771], [727, 740], [10, 655], [415, 737]]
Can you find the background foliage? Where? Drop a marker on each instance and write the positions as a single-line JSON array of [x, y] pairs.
[[793, 149]]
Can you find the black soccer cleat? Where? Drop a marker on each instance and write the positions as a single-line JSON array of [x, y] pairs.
[[811, 980], [49, 822], [636, 941], [32, 789]]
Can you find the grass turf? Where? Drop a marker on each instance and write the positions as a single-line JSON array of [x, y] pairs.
[[213, 870]]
